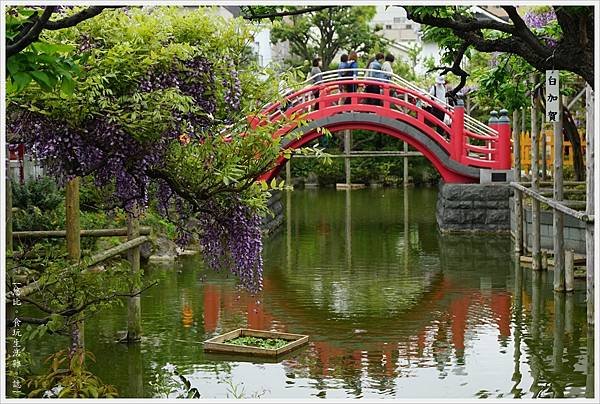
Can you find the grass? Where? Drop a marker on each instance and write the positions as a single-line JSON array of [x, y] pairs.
[[267, 343]]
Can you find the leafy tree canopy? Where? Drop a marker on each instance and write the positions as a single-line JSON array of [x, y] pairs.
[[322, 31], [159, 109], [31, 58], [562, 39]]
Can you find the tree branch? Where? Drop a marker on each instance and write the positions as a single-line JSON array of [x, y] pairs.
[[285, 13], [43, 308], [574, 51], [30, 31], [523, 31], [32, 35], [26, 27], [460, 23], [456, 69], [75, 19]]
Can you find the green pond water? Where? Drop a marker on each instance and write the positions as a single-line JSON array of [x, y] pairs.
[[393, 308]]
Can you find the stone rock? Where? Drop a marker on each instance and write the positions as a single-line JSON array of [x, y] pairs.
[[146, 250], [165, 248]]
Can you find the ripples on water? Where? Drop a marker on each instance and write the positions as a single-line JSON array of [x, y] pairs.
[[393, 309]]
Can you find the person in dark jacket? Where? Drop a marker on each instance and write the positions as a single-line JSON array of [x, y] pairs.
[[351, 74], [315, 78], [376, 73]]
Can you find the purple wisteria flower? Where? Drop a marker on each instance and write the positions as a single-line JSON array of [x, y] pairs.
[[535, 19]]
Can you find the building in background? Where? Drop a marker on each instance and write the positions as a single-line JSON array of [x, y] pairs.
[[406, 34], [395, 25]]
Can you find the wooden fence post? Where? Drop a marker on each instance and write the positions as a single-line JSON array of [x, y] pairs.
[[518, 201], [557, 216], [536, 256], [134, 311], [589, 227], [73, 238], [73, 223], [544, 146], [569, 270]]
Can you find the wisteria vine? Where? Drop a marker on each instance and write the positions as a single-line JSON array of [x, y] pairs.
[[229, 231], [539, 20]]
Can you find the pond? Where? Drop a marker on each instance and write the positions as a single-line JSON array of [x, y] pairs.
[[394, 309]]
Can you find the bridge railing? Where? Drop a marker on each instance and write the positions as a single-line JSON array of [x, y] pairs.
[[471, 124]]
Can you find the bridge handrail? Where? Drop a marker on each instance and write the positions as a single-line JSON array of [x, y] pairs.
[[334, 82], [273, 110], [470, 123]]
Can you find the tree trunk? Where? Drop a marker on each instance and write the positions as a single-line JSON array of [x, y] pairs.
[[570, 130]]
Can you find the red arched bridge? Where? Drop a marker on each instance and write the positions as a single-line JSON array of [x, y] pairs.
[[461, 148]]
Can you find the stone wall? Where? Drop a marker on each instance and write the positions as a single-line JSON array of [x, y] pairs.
[[271, 223], [473, 207], [574, 230]]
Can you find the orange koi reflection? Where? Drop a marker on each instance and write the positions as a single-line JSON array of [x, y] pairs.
[[187, 316]]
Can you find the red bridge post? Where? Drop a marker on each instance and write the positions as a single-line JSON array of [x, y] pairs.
[[494, 144], [503, 146], [458, 132]]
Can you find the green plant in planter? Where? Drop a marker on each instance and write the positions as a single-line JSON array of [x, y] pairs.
[[266, 343]]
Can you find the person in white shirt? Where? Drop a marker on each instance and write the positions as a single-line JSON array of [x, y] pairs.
[[387, 66], [438, 93]]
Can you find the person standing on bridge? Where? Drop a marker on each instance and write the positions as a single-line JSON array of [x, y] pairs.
[[342, 71], [377, 74], [438, 93], [351, 73], [387, 66], [389, 71], [315, 78]]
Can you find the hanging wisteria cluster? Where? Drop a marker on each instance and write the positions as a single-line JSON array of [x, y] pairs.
[[98, 148], [194, 78], [233, 241], [233, 92]]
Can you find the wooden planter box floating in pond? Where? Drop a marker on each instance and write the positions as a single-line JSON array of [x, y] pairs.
[[219, 343]]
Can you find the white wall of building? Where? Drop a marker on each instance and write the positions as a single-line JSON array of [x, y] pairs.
[[395, 25], [262, 47]]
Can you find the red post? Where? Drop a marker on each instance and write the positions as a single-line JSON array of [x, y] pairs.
[[493, 123], [504, 156], [386, 93], [457, 140], [323, 92]]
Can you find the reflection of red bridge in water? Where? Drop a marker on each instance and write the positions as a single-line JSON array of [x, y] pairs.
[[459, 150], [433, 336]]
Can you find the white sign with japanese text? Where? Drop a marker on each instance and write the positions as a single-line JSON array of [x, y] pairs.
[[552, 96]]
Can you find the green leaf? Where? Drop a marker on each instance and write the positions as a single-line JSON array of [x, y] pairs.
[[52, 48], [14, 65], [42, 79], [67, 86], [21, 80], [64, 392]]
